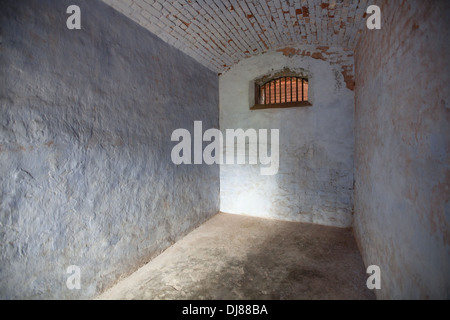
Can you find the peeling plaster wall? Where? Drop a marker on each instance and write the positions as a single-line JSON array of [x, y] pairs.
[[86, 118], [315, 178], [402, 215]]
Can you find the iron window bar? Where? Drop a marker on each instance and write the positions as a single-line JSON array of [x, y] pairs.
[[264, 98]]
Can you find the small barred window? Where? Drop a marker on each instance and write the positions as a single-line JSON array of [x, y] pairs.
[[281, 92]]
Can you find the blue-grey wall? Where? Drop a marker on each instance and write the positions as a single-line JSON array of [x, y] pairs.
[[86, 118]]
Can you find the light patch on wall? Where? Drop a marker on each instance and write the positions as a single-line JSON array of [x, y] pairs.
[[315, 178]]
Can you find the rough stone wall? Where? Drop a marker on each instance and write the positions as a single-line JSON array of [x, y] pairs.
[[402, 149], [315, 178], [86, 176]]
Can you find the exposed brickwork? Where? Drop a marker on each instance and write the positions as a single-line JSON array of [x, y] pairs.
[[220, 33], [335, 56]]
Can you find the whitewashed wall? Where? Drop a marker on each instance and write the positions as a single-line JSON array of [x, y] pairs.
[[315, 178], [86, 176]]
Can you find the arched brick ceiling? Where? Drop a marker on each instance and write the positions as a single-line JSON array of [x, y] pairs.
[[220, 33]]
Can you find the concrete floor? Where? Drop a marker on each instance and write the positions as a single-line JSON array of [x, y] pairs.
[[239, 257]]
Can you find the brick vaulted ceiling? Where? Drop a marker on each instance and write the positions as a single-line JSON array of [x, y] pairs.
[[220, 33]]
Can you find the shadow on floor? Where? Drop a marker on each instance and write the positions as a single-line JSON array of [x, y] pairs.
[[237, 257]]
